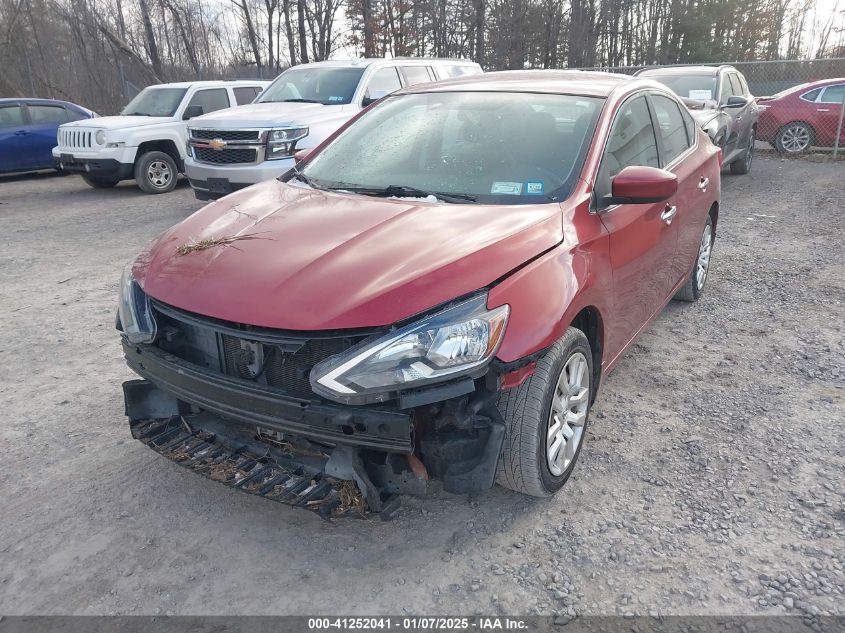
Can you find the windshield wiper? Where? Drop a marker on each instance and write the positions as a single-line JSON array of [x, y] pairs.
[[303, 178], [138, 114], [299, 101], [404, 191]]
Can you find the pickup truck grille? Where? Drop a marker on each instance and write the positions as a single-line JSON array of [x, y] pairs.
[[77, 138], [225, 135], [226, 156]]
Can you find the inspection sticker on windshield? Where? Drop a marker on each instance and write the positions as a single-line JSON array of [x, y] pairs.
[[701, 95], [534, 188], [335, 98], [507, 188]]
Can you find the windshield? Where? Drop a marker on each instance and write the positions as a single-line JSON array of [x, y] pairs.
[[326, 85], [699, 87], [490, 147], [155, 102]]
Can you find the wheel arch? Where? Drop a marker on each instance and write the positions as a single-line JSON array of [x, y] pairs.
[[589, 321], [714, 215], [168, 146]]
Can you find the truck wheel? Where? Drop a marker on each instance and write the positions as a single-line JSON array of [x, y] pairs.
[[156, 172], [99, 183], [694, 287], [546, 419], [742, 165]]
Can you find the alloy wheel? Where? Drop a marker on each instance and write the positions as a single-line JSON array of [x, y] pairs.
[[159, 174], [795, 138], [703, 263], [568, 414]]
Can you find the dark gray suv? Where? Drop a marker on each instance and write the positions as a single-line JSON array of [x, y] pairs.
[[721, 104]]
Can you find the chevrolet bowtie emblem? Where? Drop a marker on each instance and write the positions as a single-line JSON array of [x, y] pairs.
[[217, 143]]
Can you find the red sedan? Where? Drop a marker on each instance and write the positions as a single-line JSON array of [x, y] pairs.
[[436, 292], [808, 115]]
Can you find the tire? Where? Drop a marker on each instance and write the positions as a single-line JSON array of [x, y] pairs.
[[694, 287], [99, 183], [156, 172], [524, 465], [742, 165], [795, 138]]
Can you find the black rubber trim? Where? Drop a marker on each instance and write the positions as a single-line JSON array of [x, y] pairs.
[[106, 168], [504, 368], [259, 405]]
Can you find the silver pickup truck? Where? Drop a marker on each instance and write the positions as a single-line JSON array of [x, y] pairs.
[[234, 148]]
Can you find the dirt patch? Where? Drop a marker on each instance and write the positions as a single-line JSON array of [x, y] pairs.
[[711, 480]]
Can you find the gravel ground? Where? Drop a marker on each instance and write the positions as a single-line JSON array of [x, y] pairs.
[[712, 481]]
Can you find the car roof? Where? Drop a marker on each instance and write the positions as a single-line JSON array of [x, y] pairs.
[[36, 100], [586, 83], [682, 70], [219, 82], [364, 62]]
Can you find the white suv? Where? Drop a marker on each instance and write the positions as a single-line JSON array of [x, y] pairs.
[[234, 148], [147, 141]]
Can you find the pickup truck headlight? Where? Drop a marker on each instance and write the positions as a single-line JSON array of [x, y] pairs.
[[282, 143], [100, 137], [136, 319], [453, 341]]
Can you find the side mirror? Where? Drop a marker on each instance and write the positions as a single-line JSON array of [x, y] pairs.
[[642, 185], [191, 111], [372, 97], [300, 156], [737, 101]]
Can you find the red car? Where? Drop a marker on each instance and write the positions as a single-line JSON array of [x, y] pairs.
[[808, 115], [436, 292]]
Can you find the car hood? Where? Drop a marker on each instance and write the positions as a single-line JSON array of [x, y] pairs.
[[266, 115], [118, 122], [297, 258]]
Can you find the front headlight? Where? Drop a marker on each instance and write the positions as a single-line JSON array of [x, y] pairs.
[[136, 319], [454, 341], [100, 137], [282, 143]]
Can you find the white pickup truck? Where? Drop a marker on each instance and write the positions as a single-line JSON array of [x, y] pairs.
[[147, 141], [234, 148]]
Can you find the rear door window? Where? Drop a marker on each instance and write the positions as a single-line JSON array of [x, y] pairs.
[[833, 94], [246, 94], [11, 116], [210, 100], [41, 114], [671, 127], [416, 75]]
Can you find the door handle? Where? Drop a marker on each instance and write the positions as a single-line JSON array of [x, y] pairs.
[[823, 110], [703, 183], [669, 214], [21, 133]]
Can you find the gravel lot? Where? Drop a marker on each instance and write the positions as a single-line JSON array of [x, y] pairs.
[[712, 480]]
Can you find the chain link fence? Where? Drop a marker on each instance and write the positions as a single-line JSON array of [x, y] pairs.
[[792, 121]]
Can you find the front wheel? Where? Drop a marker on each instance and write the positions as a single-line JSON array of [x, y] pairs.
[[156, 172], [546, 419], [694, 287], [742, 165]]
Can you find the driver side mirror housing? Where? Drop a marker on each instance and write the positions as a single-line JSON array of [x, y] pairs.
[[638, 184], [191, 111], [736, 101]]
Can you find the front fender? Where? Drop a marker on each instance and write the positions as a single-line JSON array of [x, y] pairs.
[[546, 295]]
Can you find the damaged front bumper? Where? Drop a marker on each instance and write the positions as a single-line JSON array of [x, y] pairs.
[[301, 451]]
